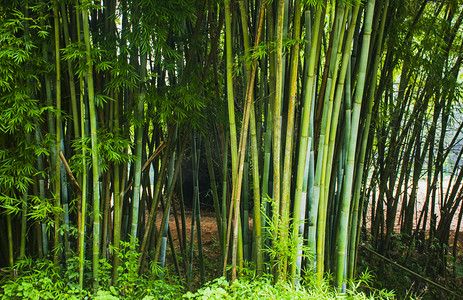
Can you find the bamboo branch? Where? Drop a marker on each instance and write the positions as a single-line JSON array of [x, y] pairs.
[[152, 157], [68, 170]]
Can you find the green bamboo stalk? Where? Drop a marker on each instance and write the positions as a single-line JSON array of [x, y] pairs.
[[266, 173], [243, 223], [335, 158], [215, 196], [304, 131], [22, 249], [118, 169], [64, 202], [277, 120], [257, 225], [83, 204], [84, 198], [165, 229], [224, 197], [157, 193], [330, 124], [307, 181], [236, 194], [266, 179], [139, 150], [244, 227], [341, 239], [107, 195], [231, 117], [327, 146], [254, 150], [182, 218], [354, 224], [198, 212], [41, 184], [10, 240], [195, 215], [287, 171], [189, 271], [230, 96], [58, 134], [333, 107], [72, 86], [51, 130], [94, 143]]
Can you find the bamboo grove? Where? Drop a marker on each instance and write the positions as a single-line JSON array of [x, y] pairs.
[[310, 120]]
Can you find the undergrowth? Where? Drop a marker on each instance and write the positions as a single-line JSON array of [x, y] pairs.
[[42, 279], [264, 287], [427, 262]]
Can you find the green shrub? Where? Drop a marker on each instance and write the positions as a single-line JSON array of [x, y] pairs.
[[252, 288]]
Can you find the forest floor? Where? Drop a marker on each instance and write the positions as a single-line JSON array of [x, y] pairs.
[[420, 203], [210, 238], [210, 235]]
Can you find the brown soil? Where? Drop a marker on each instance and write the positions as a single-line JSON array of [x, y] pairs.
[[209, 231]]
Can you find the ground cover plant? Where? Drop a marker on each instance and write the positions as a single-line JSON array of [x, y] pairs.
[[42, 280]]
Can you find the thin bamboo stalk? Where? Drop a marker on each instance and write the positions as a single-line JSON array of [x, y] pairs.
[[83, 204], [254, 150], [309, 92], [139, 152], [277, 122], [157, 194], [72, 86], [230, 96], [58, 135], [41, 185], [170, 184], [289, 146], [224, 200], [215, 196], [94, 143], [198, 210]]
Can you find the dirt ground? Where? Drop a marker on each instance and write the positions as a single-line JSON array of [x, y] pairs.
[[210, 234]]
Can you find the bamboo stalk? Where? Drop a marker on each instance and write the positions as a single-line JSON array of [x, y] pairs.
[[10, 240], [236, 194], [165, 229], [304, 131], [277, 123], [157, 194], [254, 152], [83, 204], [354, 226], [288, 170], [58, 135], [215, 196], [139, 151], [94, 143], [347, 189], [72, 86], [230, 96]]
